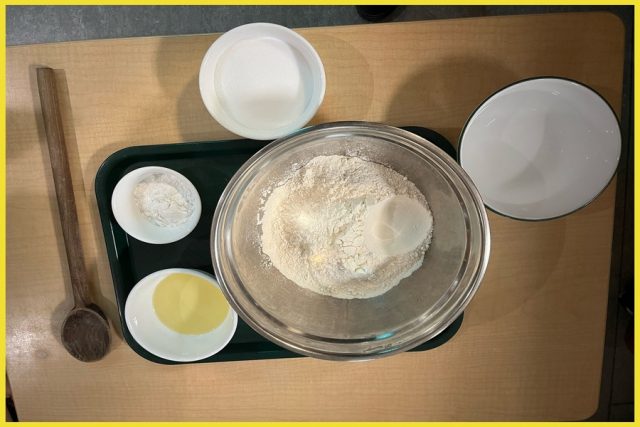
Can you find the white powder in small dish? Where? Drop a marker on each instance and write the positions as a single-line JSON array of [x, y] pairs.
[[345, 227], [164, 200]]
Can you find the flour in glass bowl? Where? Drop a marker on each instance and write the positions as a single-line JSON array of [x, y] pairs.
[[345, 227]]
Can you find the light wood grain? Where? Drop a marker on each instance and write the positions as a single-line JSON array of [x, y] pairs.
[[531, 343]]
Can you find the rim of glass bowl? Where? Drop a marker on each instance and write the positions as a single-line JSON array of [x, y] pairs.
[[411, 334]]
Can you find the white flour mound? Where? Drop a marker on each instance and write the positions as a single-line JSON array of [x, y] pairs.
[[164, 200], [345, 227]]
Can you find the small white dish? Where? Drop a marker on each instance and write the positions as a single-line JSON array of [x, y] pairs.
[[152, 335], [262, 81], [541, 148], [134, 223]]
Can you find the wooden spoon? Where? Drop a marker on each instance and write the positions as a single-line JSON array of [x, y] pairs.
[[85, 331]]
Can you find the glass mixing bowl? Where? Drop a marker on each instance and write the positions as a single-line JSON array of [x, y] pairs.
[[417, 309]]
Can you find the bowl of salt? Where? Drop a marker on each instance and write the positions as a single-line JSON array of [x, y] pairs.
[[156, 205]]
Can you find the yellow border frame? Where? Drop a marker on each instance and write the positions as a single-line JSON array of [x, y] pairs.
[[3, 224], [319, 3]]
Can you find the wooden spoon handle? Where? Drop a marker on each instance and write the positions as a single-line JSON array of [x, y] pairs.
[[63, 184]]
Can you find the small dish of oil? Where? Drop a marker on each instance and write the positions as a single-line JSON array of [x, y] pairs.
[[180, 314]]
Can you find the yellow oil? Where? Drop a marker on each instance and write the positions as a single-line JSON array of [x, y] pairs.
[[188, 304]]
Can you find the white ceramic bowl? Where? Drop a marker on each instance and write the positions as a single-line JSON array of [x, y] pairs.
[[541, 148], [152, 335], [262, 81], [133, 221]]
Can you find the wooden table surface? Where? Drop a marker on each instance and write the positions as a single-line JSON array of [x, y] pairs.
[[531, 344]]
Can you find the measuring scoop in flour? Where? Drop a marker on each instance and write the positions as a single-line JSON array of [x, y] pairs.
[[396, 225]]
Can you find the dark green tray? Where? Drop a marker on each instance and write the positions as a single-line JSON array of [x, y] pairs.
[[209, 166]]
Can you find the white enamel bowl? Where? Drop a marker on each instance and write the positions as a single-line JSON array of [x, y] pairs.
[[541, 148]]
